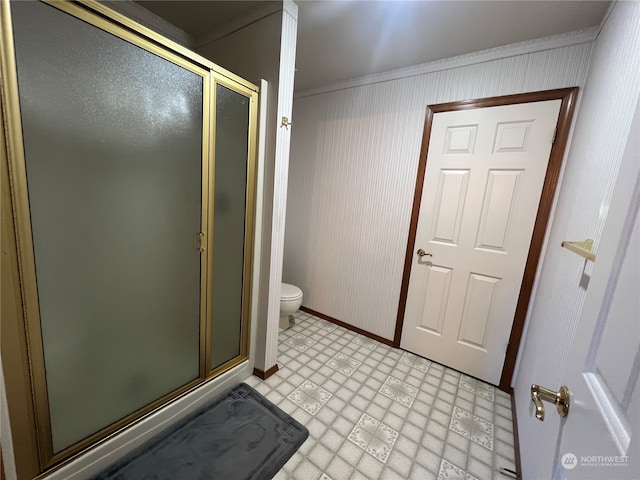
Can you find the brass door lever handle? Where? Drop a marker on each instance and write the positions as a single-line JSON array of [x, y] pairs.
[[421, 253], [561, 399]]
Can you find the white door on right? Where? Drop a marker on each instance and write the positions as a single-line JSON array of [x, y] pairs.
[[599, 438], [485, 173]]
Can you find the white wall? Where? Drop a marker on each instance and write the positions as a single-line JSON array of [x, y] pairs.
[[354, 158], [283, 141], [601, 131]]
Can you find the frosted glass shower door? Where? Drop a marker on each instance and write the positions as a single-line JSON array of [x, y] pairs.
[[232, 175], [114, 145]]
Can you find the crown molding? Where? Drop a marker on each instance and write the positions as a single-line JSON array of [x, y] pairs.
[[607, 14], [530, 46], [239, 23], [149, 19]]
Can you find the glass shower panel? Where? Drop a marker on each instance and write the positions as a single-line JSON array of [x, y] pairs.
[[231, 153], [113, 147]]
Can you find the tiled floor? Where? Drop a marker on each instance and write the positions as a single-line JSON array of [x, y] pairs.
[[376, 412]]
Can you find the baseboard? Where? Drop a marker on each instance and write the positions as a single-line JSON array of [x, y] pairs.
[[264, 374], [373, 336], [516, 438]]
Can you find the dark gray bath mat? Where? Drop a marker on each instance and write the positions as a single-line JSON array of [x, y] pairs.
[[240, 435]]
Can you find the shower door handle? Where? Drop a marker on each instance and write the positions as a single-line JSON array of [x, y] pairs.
[[200, 241]]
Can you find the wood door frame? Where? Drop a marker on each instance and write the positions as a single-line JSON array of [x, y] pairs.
[[568, 96]]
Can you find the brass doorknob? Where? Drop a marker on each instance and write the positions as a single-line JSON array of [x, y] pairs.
[[421, 253], [561, 399]]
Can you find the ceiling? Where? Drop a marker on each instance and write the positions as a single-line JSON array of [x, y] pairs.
[[342, 39]]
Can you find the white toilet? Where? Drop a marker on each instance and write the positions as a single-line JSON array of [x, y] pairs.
[[290, 301]]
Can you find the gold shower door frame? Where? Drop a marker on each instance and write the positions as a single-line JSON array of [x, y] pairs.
[[21, 317], [249, 223]]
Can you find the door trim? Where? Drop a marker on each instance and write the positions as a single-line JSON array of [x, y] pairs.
[[568, 96]]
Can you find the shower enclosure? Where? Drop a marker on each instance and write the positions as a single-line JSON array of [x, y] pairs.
[[131, 167]]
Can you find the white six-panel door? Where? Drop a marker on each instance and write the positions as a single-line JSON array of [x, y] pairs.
[[600, 438], [485, 174]]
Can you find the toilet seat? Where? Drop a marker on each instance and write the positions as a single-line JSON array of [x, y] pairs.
[[290, 292]]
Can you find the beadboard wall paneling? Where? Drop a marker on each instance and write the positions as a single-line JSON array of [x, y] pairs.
[[253, 52], [601, 132], [354, 157], [281, 172]]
